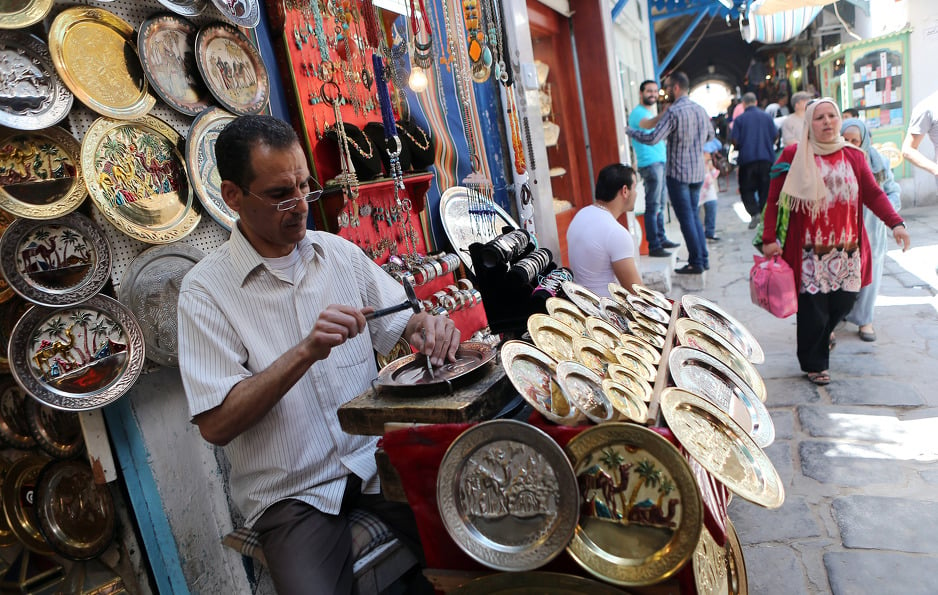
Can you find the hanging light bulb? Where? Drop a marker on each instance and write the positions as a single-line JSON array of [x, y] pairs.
[[418, 80]]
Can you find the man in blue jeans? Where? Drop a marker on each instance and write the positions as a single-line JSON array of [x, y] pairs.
[[687, 128], [650, 160]]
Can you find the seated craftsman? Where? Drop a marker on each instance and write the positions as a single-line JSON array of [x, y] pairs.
[[272, 341], [600, 249]]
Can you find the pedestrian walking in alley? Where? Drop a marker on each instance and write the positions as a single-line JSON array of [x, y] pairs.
[[924, 121], [754, 135], [687, 127], [650, 160], [708, 199], [856, 133], [827, 183], [794, 123]]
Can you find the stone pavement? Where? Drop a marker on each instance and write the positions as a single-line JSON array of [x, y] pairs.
[[857, 457]]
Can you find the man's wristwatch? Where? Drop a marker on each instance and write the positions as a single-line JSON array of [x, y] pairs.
[[900, 224]]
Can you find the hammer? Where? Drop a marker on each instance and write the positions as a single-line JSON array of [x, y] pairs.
[[412, 302]]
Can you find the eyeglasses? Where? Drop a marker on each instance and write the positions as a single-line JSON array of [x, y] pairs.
[[290, 203]]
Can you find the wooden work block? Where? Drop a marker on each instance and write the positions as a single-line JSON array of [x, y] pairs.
[[480, 400], [391, 487]]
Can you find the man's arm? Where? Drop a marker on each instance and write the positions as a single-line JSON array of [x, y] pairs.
[[662, 128], [626, 273], [915, 157], [649, 123]]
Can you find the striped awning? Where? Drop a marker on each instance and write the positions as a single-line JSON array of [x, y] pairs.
[[768, 25]]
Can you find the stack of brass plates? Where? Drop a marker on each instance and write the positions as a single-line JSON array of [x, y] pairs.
[[710, 315], [636, 364], [583, 389], [631, 380], [568, 313], [507, 495], [593, 354], [603, 332], [640, 347], [586, 300], [627, 401], [534, 375], [638, 304], [552, 337], [653, 297], [691, 333]]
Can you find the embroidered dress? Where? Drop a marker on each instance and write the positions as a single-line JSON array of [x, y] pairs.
[[831, 256]]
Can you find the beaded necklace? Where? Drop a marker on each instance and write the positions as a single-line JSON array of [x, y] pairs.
[[426, 139]]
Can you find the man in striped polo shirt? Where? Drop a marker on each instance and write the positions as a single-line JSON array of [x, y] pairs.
[[272, 340]]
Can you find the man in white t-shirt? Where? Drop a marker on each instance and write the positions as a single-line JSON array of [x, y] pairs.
[[924, 121], [600, 249]]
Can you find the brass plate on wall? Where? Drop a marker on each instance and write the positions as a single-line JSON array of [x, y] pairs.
[[19, 506], [76, 515], [167, 54], [41, 173], [233, 70], [23, 13], [203, 168]]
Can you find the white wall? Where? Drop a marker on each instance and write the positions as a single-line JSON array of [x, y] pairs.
[[921, 188]]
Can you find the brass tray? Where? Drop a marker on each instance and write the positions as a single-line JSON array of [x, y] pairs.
[[635, 363], [400, 349], [410, 372], [32, 96], [40, 174], [567, 312], [633, 530], [6, 292], [243, 13], [233, 70], [647, 335], [736, 564], [11, 311], [627, 402], [722, 447], [136, 175], [648, 310], [14, 429], [187, 8], [711, 571], [94, 53], [507, 495], [61, 262], [203, 169], [708, 377], [534, 583], [593, 354], [614, 313], [618, 293], [552, 337], [59, 372], [23, 13], [533, 374], [584, 390], [631, 380], [710, 315], [640, 347], [648, 324], [19, 508], [57, 433], [7, 538], [656, 298], [604, 333], [585, 300], [76, 515], [150, 288], [167, 53], [691, 333]]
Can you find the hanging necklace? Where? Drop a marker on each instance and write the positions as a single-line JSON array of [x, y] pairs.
[[420, 131]]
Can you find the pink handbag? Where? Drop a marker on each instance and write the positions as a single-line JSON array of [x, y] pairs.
[[772, 286]]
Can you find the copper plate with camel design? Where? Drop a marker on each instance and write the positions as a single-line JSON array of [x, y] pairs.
[[61, 262], [80, 357], [640, 510], [232, 68]]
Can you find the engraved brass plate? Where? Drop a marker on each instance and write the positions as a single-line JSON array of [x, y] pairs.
[[136, 175], [631, 380], [653, 297], [14, 429], [710, 315], [32, 96], [693, 334], [232, 69], [203, 169], [552, 337], [61, 262], [640, 510], [614, 313], [567, 312], [40, 173], [644, 333], [243, 13], [640, 347], [150, 288], [542, 583], [6, 292], [640, 305], [584, 390], [722, 447], [648, 324], [410, 371], [94, 53], [18, 14], [705, 375], [75, 514], [736, 564], [533, 374], [593, 354], [167, 53], [627, 402], [634, 362], [400, 349], [507, 495], [710, 566], [57, 433], [187, 8], [19, 506], [585, 300], [89, 355], [603, 332]]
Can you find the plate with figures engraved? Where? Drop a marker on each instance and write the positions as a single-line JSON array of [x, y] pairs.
[[32, 96], [76, 515], [653, 297], [636, 364], [20, 510], [243, 13], [705, 375], [583, 389], [600, 330], [150, 288], [710, 315], [593, 354], [94, 52], [640, 510], [626, 401], [722, 447], [641, 306], [468, 218], [136, 175], [614, 313], [232, 68], [534, 375], [203, 168], [409, 374], [19, 14], [40, 173], [552, 337], [586, 300], [186, 8], [60, 262], [693, 334], [79, 357], [566, 312], [507, 495], [640, 347], [166, 45]]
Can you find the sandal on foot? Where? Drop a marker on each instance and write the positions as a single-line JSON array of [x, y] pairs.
[[832, 343], [820, 378]]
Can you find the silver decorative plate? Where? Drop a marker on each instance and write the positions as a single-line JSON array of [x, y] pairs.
[[80, 357], [60, 262], [645, 308], [203, 169], [585, 300], [507, 495], [150, 288], [584, 390], [165, 44], [463, 228], [187, 8], [704, 375], [709, 314], [32, 96], [243, 13]]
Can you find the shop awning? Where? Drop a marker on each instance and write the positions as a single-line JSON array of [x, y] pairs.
[[775, 21]]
